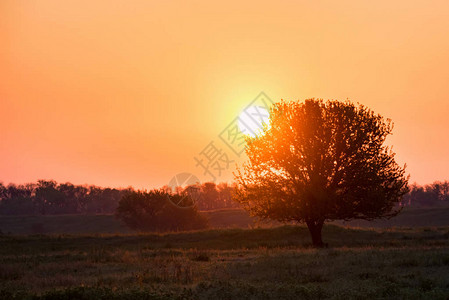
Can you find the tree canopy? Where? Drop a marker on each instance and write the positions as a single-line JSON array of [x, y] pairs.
[[321, 160]]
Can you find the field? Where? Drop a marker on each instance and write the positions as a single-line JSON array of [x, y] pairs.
[[261, 263], [226, 218]]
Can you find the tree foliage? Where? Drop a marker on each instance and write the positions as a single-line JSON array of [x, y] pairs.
[[319, 161]]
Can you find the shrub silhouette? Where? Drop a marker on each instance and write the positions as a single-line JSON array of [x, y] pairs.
[[153, 211]]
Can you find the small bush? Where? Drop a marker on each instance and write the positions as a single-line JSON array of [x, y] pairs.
[[153, 211], [200, 257], [426, 285]]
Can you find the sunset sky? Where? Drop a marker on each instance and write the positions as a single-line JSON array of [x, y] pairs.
[[128, 93]]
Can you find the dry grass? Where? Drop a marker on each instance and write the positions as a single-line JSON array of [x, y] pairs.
[[229, 264]]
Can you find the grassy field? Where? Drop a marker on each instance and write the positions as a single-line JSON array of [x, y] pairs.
[[227, 218], [263, 263]]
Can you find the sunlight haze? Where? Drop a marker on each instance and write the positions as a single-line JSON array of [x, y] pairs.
[[118, 93]]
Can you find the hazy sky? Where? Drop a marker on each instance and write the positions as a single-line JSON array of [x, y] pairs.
[[119, 93]]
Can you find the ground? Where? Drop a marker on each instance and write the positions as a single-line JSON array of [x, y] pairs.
[[263, 263], [225, 218]]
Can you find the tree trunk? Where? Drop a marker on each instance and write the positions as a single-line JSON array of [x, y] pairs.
[[315, 232]]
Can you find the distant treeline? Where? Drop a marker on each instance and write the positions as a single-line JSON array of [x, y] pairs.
[[210, 196], [47, 197], [435, 194]]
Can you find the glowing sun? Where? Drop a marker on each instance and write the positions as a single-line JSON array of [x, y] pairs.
[[252, 119]]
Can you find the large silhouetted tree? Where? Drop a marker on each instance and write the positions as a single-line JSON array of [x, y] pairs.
[[319, 161]]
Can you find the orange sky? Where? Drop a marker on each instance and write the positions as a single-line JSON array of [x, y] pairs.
[[119, 93]]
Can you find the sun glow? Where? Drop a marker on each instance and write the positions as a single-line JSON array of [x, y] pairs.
[[252, 120]]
